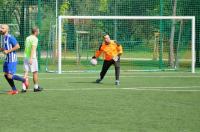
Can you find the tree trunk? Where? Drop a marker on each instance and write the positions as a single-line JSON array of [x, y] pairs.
[[178, 45], [171, 46]]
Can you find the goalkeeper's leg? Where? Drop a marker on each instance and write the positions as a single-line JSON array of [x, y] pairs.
[[105, 67], [117, 72]]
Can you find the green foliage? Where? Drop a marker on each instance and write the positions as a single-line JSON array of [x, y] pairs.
[[103, 6], [64, 8]]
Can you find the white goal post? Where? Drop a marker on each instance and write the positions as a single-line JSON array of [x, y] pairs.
[[192, 18]]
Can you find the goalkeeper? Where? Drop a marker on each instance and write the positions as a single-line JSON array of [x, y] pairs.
[[111, 51]]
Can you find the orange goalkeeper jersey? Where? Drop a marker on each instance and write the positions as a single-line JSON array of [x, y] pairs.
[[109, 50]]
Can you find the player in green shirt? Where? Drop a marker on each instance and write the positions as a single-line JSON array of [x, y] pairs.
[[30, 59]]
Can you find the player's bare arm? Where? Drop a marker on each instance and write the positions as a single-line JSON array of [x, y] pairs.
[[11, 50]]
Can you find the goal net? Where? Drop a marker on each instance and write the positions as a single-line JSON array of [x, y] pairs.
[[150, 43]]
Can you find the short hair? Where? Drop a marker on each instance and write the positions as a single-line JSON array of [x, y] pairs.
[[34, 29], [105, 33]]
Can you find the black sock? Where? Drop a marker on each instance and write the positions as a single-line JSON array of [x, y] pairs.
[[11, 82]]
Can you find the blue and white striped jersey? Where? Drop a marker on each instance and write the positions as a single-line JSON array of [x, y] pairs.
[[9, 42]]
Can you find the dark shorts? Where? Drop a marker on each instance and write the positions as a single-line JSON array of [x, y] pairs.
[[10, 67]]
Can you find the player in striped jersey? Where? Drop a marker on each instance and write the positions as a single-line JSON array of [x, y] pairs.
[[10, 45]]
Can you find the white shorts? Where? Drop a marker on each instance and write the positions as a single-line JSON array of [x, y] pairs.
[[28, 67]]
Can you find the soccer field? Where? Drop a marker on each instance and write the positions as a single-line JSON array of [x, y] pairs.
[[72, 102]]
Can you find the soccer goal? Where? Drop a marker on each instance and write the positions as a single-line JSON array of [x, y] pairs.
[[150, 43]]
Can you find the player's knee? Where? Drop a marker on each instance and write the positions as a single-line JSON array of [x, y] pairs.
[[9, 76], [35, 73]]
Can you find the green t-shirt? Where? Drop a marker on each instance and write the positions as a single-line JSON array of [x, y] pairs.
[[30, 41]]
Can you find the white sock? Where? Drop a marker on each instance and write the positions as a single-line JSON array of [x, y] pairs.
[[36, 86], [23, 86]]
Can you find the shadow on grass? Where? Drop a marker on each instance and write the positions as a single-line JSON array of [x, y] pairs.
[[93, 82]]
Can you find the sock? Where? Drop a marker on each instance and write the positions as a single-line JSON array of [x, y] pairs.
[[23, 86], [13, 87], [36, 86], [11, 82], [18, 78]]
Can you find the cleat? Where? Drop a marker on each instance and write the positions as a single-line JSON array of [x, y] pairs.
[[13, 92], [23, 91], [98, 80], [39, 89], [26, 83], [117, 82]]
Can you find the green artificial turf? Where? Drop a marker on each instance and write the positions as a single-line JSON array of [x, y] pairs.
[[72, 102]]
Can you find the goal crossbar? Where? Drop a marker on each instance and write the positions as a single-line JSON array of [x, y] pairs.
[[192, 18]]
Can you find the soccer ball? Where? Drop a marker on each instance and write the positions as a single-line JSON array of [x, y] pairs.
[[93, 61]]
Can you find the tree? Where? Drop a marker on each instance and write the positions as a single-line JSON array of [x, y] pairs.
[[171, 50]]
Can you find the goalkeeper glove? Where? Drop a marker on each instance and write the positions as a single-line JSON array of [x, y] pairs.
[[116, 58]]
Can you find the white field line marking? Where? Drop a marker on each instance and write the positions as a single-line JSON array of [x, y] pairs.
[[136, 89], [84, 77], [123, 72], [142, 87], [173, 87]]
